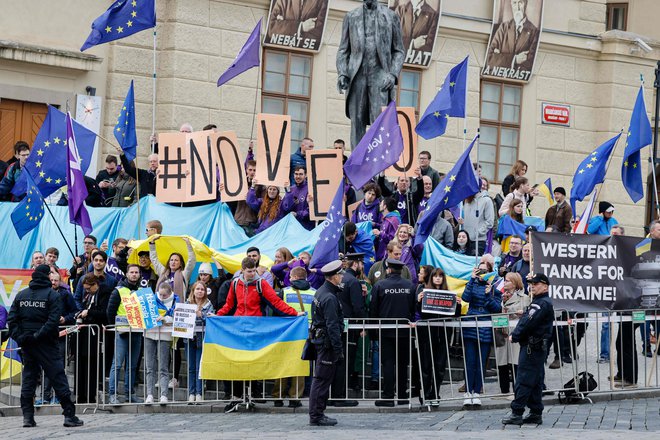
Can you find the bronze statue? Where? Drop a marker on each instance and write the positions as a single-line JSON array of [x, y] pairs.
[[369, 60]]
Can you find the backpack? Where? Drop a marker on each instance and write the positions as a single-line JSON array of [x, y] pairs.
[[586, 383], [264, 309]]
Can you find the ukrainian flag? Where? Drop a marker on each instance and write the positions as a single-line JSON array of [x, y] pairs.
[[546, 189], [10, 361], [643, 246], [254, 348]]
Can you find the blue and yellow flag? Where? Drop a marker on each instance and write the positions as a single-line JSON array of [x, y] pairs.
[[254, 348], [10, 361], [643, 246], [546, 189]]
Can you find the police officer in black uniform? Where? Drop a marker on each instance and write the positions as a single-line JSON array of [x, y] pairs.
[[393, 297], [326, 331], [533, 332], [33, 323], [353, 307]]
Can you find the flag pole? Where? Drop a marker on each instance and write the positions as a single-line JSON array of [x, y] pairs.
[[653, 152], [609, 161], [465, 118], [256, 97], [75, 228], [137, 186], [476, 243], [153, 107], [116, 147]]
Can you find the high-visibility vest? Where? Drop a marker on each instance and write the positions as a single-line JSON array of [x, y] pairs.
[[290, 297]]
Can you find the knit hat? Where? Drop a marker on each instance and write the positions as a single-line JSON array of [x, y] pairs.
[[560, 190], [205, 268], [42, 272], [605, 207]]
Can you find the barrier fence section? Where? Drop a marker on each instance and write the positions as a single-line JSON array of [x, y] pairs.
[[389, 361]]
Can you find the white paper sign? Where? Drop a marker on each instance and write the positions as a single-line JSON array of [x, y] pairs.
[[184, 320]]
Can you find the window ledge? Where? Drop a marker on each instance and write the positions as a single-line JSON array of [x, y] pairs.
[[12, 50]]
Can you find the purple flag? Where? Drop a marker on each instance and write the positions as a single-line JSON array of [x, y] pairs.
[[246, 59], [75, 182], [379, 149]]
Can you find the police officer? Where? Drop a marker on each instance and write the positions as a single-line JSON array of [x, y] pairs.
[[393, 297], [327, 326], [353, 307], [33, 321], [533, 332]]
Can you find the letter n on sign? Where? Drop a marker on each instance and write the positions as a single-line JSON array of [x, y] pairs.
[[203, 177], [408, 161], [273, 149], [324, 174], [229, 161], [171, 185]]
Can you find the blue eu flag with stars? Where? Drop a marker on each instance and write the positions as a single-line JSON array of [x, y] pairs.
[[122, 19], [459, 183], [592, 171], [29, 212], [639, 136], [450, 101], [47, 161], [125, 129], [327, 247]]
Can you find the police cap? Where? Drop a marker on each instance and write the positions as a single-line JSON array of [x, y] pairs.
[[395, 264], [539, 278], [356, 256], [332, 268]]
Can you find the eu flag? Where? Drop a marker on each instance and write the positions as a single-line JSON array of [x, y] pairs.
[[327, 248], [450, 101], [639, 136], [29, 212], [592, 171], [125, 128], [122, 19], [459, 183], [47, 161], [378, 149]]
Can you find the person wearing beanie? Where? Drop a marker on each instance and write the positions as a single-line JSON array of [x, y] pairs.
[[559, 215], [33, 321], [602, 224], [205, 275]]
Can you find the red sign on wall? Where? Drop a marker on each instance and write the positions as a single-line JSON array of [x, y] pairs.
[[556, 114]]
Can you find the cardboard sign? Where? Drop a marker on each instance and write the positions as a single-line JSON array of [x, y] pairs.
[[171, 184], [183, 325], [273, 149], [202, 180], [324, 174], [227, 156], [439, 302], [408, 161], [352, 208]]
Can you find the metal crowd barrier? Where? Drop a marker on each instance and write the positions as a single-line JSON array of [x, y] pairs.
[[393, 362]]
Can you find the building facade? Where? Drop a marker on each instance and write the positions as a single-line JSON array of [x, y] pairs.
[[587, 60]]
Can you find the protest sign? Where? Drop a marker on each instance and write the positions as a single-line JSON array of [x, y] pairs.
[[273, 149], [173, 163], [598, 272], [141, 310], [184, 320], [439, 302], [227, 155], [324, 174], [202, 180], [408, 161]]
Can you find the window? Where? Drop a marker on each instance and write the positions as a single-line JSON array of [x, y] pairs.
[[617, 16], [500, 128], [287, 78], [408, 92]]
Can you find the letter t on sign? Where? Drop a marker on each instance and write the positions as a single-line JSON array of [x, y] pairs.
[[273, 149]]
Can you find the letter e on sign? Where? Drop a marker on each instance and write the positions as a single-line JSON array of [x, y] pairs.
[[324, 174]]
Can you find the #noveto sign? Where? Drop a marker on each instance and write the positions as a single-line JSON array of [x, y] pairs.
[[598, 272]]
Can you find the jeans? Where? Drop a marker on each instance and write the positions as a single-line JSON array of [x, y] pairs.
[[124, 342], [476, 356], [605, 338], [375, 361], [157, 358], [194, 356]]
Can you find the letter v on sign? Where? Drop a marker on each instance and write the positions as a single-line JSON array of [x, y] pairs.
[[273, 149]]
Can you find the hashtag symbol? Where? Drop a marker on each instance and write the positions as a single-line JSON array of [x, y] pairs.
[[178, 163]]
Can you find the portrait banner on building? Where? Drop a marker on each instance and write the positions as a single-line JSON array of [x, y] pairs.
[[420, 20], [296, 24], [598, 272], [514, 39]]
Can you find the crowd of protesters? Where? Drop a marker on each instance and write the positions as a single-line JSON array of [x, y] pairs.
[[102, 276]]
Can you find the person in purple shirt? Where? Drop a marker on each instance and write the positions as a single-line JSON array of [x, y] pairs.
[[409, 254], [422, 194], [369, 209], [296, 200], [403, 197], [389, 226], [269, 208]]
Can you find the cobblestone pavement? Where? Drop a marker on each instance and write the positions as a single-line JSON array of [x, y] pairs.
[[610, 419]]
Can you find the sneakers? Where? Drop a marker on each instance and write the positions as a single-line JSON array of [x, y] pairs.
[[513, 419], [199, 398], [163, 400], [232, 406], [603, 360], [533, 419], [433, 403], [554, 365], [113, 400], [40, 402], [467, 399], [476, 399], [55, 401], [72, 422], [133, 399], [173, 383], [149, 400], [324, 421], [191, 399], [28, 422]]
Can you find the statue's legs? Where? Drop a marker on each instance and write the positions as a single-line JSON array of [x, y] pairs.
[[358, 107]]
